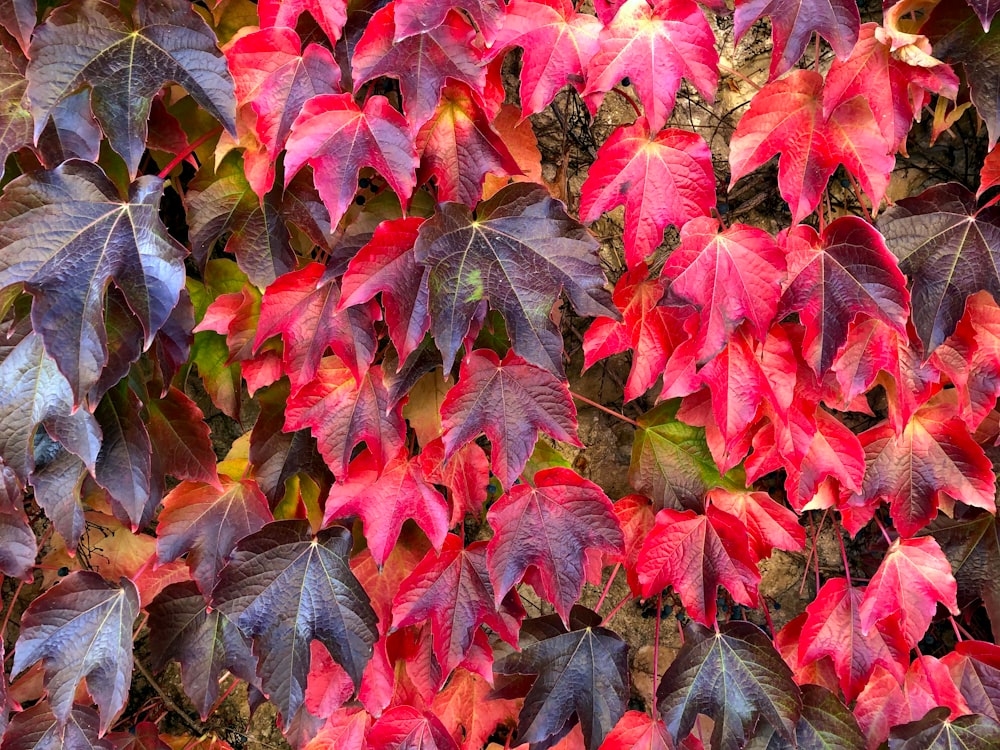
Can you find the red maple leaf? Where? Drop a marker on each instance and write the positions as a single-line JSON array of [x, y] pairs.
[[550, 527], [787, 117], [696, 554], [655, 47], [661, 178]]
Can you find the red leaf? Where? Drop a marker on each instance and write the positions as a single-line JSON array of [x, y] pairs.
[[466, 476], [989, 177], [975, 670], [331, 15], [275, 77], [895, 90], [730, 275], [344, 730], [787, 117], [835, 276], [696, 554], [422, 63], [337, 138], [912, 578], [509, 401], [637, 730], [551, 527], [181, 438], [934, 455], [417, 16], [206, 521], [385, 494], [768, 524], [458, 148], [661, 178], [452, 589], [655, 47], [406, 728], [794, 22], [833, 628], [469, 711], [342, 412], [557, 42], [305, 308], [636, 518], [970, 358]]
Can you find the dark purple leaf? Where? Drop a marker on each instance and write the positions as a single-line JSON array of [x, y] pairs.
[[18, 17], [937, 732], [15, 120], [825, 723], [71, 132], [37, 728], [57, 481], [124, 466]]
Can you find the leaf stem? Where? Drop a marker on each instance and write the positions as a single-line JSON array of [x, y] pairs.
[[737, 74], [656, 649], [954, 626], [881, 528], [10, 611], [605, 409], [607, 586], [843, 555], [618, 606], [165, 172], [167, 700], [628, 97], [857, 194]]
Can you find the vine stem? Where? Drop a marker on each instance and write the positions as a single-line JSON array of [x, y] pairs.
[[737, 74], [165, 172], [954, 626], [857, 194], [618, 606], [605, 409], [843, 555], [628, 97], [881, 528], [10, 611], [167, 700], [607, 586], [656, 648]]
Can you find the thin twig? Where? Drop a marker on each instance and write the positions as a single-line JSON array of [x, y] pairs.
[[605, 409], [167, 700], [165, 172]]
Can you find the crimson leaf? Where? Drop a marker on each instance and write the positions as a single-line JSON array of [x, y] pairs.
[[551, 527], [286, 588], [583, 678], [81, 628], [65, 234], [734, 675], [517, 253], [126, 61], [510, 401]]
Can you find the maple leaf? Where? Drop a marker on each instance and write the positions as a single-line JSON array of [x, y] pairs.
[[661, 178], [696, 554], [421, 62], [472, 260], [452, 589], [733, 674], [15, 119], [331, 15], [934, 455], [948, 248], [768, 524], [550, 527], [989, 175], [387, 264], [342, 412], [36, 395], [833, 628], [337, 138], [284, 588], [124, 464], [180, 437], [206, 521], [38, 728], [125, 61], [787, 117], [275, 76], [468, 710], [406, 728], [415, 16], [305, 308], [203, 641], [936, 731], [794, 22], [65, 234], [635, 730], [557, 42], [731, 275], [509, 401], [833, 277], [81, 628], [825, 723], [18, 546], [459, 147], [975, 670], [466, 476], [913, 576], [385, 494], [894, 89], [654, 47], [956, 34], [344, 730], [581, 673]]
